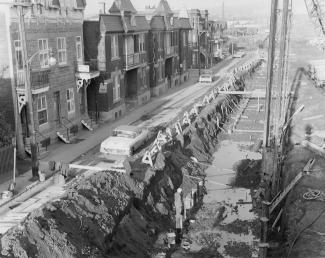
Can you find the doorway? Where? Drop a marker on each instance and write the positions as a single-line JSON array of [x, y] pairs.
[[57, 108]]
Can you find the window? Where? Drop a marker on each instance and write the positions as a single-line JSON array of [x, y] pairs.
[[144, 73], [141, 42], [43, 53], [136, 43], [184, 39], [160, 71], [41, 109], [194, 59], [114, 46], [19, 55], [79, 48], [62, 51], [116, 89], [70, 100], [159, 40]]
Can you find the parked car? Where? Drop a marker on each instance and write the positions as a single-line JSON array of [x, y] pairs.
[[206, 78], [239, 54], [125, 140]]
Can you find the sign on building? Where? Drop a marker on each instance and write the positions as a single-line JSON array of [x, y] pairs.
[[102, 88]]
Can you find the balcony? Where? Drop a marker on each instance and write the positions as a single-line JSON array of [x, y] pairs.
[[20, 79], [40, 79], [134, 60]]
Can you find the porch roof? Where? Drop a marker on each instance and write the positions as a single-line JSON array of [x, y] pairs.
[[87, 75]]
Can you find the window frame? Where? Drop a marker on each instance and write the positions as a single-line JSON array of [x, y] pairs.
[[70, 101], [43, 53], [184, 39], [141, 43], [116, 89], [114, 47], [19, 49], [79, 44], [62, 51], [42, 108]]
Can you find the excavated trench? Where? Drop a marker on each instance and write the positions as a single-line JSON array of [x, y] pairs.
[[117, 215]]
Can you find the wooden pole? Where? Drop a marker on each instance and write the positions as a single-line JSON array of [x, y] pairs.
[[15, 161], [273, 22], [18, 126], [28, 90], [282, 63]]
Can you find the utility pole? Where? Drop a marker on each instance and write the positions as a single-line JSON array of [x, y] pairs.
[[283, 61], [198, 44], [18, 127], [273, 23], [28, 90]]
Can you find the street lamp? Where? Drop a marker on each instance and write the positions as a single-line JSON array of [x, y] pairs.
[[28, 91]]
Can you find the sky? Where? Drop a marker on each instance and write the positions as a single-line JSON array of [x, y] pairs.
[[232, 7]]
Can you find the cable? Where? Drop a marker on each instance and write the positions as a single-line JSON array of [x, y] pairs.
[[302, 230]]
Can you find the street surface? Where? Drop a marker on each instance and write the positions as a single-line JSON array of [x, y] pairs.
[[172, 107]]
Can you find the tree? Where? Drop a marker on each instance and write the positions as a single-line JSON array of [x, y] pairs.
[[6, 132]]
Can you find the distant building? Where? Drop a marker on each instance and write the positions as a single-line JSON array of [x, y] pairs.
[[200, 38], [169, 48], [219, 39], [54, 28]]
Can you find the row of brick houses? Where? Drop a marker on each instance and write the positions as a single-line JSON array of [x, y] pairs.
[[137, 57], [103, 65]]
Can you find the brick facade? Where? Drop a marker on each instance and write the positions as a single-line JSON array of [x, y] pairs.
[[51, 86]]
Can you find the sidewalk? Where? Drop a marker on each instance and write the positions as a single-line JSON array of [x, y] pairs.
[[67, 153]]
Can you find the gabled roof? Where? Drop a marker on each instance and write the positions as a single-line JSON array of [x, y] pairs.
[[141, 24], [157, 23], [183, 23], [163, 8], [122, 5], [111, 23], [117, 23], [164, 23]]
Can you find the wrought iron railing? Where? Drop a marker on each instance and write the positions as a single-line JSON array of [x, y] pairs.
[[40, 78], [132, 60]]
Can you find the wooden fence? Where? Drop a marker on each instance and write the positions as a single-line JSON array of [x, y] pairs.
[[6, 160]]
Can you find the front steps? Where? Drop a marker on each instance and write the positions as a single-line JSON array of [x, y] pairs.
[[42, 151]]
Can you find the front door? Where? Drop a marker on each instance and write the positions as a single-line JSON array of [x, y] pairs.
[[82, 101], [57, 108]]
